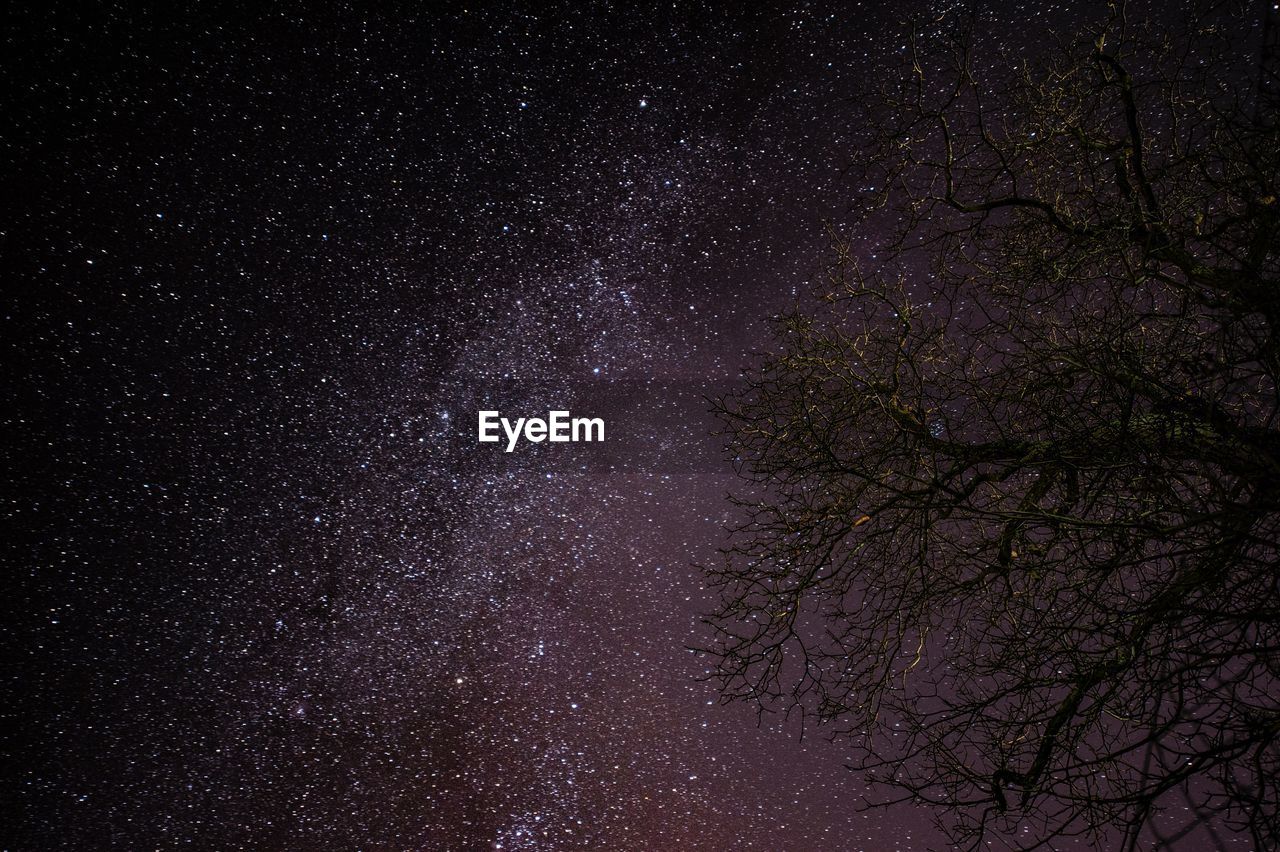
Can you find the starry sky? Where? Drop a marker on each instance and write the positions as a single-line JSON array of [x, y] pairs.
[[263, 267]]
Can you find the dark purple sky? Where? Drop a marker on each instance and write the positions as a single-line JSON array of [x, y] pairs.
[[264, 270]]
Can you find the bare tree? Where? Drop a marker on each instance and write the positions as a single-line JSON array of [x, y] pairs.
[[1013, 489]]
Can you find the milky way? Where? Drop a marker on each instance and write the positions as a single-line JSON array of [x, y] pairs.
[[264, 269]]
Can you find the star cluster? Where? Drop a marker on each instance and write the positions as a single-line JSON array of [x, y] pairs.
[[265, 267]]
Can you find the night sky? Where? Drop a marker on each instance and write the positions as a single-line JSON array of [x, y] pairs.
[[265, 589]]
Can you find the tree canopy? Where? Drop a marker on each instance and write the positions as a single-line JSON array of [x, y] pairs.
[[1012, 484]]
